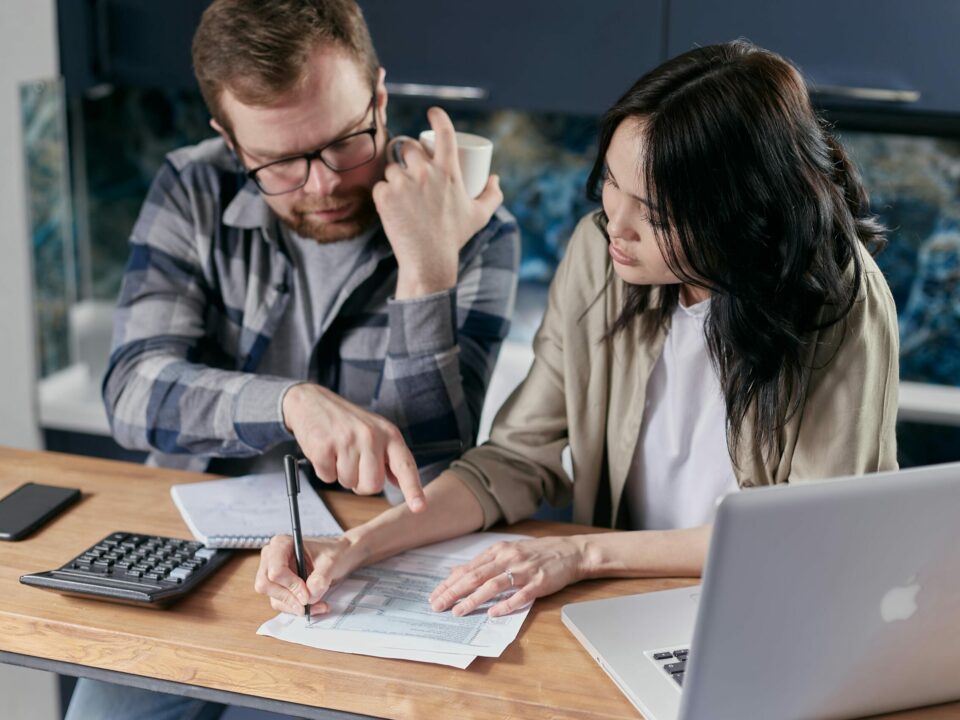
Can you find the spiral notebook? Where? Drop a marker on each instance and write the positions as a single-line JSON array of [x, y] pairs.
[[245, 512]]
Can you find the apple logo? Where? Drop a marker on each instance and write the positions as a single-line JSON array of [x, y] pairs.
[[900, 603]]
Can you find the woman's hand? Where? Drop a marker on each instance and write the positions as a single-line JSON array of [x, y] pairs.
[[537, 567], [327, 561]]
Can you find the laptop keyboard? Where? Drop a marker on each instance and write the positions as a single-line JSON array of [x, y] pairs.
[[672, 662]]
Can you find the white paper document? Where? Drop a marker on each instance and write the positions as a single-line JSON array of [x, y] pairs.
[[383, 610]]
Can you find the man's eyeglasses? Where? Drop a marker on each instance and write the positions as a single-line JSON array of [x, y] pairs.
[[340, 155]]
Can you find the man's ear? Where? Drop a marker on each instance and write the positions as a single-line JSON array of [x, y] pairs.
[[381, 107], [223, 133]]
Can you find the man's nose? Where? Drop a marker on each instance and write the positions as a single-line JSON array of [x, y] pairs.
[[321, 180]]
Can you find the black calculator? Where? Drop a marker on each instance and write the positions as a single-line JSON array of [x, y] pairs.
[[133, 568]]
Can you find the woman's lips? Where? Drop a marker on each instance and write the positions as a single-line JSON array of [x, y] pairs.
[[620, 257]]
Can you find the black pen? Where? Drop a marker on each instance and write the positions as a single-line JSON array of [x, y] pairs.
[[291, 468]]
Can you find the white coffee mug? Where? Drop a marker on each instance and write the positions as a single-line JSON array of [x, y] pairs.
[[474, 153]]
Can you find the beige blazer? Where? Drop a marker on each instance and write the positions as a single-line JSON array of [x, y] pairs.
[[589, 393]]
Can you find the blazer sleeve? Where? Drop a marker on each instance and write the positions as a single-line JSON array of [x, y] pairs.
[[849, 417]]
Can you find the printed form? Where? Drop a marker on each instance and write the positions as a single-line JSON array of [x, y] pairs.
[[383, 610]]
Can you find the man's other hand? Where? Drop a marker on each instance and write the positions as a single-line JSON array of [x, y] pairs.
[[426, 212]]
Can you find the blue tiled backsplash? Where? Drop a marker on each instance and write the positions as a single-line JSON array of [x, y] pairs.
[[543, 161]]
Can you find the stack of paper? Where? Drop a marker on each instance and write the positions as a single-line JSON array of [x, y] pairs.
[[383, 610]]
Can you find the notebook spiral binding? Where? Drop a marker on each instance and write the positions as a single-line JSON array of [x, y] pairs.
[[238, 542]]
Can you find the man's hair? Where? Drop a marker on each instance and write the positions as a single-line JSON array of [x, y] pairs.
[[260, 49], [767, 213]]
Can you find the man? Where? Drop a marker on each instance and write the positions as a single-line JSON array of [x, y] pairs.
[[286, 284]]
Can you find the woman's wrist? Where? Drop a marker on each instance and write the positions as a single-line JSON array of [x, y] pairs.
[[644, 553], [591, 556], [361, 544]]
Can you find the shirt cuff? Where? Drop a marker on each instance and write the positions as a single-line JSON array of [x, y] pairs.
[[258, 412], [424, 325]]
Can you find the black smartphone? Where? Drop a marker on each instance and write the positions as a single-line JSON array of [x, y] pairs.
[[30, 506]]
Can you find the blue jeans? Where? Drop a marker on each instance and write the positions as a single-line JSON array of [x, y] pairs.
[[97, 700]]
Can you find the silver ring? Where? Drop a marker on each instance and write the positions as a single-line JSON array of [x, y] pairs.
[[509, 577], [396, 152]]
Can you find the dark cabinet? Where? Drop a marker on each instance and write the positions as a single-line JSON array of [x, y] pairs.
[[855, 53], [564, 55], [127, 42]]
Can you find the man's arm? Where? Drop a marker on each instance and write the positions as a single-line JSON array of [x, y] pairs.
[[157, 396], [446, 322], [443, 348]]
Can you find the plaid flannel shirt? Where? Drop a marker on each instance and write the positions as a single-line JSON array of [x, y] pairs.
[[206, 285]]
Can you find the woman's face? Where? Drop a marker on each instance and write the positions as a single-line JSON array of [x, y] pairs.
[[633, 246]]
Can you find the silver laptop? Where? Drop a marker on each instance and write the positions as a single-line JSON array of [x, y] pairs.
[[832, 599]]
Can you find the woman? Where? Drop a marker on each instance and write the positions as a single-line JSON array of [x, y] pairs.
[[720, 324]]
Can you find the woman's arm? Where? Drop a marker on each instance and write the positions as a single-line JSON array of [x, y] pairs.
[[452, 510], [646, 553], [543, 566]]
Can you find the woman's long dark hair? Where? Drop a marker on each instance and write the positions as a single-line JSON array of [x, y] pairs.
[[759, 204]]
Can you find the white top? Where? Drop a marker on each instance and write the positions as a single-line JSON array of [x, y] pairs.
[[681, 466]]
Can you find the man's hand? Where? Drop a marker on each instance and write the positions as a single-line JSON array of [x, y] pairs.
[[327, 561], [350, 445], [427, 214]]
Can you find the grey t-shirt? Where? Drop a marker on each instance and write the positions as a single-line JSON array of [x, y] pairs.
[[320, 271]]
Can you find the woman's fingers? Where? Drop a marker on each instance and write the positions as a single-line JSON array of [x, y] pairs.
[[521, 598], [466, 581], [487, 591], [276, 577]]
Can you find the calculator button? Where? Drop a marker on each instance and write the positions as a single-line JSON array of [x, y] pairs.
[[181, 573]]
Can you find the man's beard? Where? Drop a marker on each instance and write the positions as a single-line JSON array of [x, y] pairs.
[[361, 217]]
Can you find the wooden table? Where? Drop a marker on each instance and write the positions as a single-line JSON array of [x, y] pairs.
[[206, 646]]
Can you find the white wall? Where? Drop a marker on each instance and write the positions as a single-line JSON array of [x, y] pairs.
[[28, 51]]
